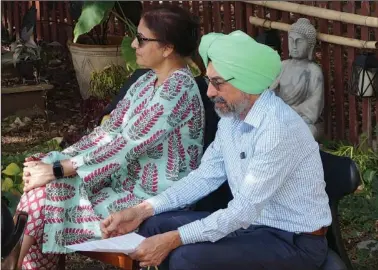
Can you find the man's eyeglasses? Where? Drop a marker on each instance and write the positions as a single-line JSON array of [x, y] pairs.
[[141, 39], [217, 82]]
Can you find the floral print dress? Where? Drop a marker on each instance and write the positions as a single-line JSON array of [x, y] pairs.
[[152, 139]]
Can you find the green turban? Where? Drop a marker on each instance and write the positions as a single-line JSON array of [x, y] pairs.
[[253, 66]]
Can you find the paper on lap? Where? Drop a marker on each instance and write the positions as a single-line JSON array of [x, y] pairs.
[[121, 244]]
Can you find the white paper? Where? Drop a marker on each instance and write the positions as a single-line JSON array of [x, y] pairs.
[[121, 244]]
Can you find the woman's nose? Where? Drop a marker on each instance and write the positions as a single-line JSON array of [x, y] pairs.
[[134, 44]]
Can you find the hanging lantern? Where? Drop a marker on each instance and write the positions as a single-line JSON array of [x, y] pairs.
[[364, 79]]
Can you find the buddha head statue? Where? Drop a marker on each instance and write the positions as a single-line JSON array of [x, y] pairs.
[[302, 39]]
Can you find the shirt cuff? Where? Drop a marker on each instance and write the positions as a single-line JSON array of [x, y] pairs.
[[192, 233], [159, 204]]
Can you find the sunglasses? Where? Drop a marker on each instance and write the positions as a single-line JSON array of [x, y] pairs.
[[217, 82], [141, 39]]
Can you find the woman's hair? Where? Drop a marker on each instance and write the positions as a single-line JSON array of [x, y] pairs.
[[175, 26]]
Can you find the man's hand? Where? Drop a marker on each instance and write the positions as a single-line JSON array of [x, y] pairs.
[[37, 174], [153, 250], [126, 220]]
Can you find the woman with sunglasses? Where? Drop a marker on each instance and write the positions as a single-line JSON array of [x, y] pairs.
[[152, 139]]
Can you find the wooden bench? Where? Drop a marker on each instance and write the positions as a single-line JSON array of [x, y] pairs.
[[115, 259]]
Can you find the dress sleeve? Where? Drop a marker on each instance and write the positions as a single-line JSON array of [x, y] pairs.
[[169, 108], [101, 135]]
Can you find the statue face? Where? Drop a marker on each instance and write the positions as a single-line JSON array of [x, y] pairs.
[[298, 46]]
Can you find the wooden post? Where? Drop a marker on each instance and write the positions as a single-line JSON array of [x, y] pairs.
[[62, 28], [54, 27], [206, 13], [45, 21], [366, 102], [240, 20], [227, 27], [251, 29], [285, 41], [353, 109], [8, 6], [38, 23], [17, 18], [217, 17], [375, 14], [327, 112], [338, 77]]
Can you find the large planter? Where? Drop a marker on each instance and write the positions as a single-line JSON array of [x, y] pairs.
[[89, 58]]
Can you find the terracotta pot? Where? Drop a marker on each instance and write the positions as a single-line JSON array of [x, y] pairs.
[[89, 58]]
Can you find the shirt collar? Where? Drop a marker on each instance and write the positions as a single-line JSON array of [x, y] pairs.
[[257, 113]]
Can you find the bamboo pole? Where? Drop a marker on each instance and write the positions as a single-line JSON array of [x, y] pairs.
[[322, 13], [351, 42]]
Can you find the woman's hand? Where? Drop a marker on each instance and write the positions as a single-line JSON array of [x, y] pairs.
[[37, 174]]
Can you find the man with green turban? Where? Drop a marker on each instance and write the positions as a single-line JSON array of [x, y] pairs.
[[264, 151]]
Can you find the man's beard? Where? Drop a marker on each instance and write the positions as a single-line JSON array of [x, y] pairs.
[[229, 110]]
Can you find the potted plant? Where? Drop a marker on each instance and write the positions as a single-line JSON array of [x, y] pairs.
[[26, 53], [92, 48]]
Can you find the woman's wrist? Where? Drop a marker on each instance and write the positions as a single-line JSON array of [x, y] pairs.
[[68, 168]]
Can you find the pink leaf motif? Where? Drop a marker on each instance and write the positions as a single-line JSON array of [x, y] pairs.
[[98, 198], [106, 151], [71, 236], [139, 108], [150, 178], [102, 173], [96, 186], [142, 148], [117, 116], [140, 82], [58, 192], [180, 111], [81, 214], [193, 152], [133, 169], [146, 121], [155, 152], [126, 202], [181, 151], [145, 89], [172, 168], [128, 185], [53, 214], [196, 124], [171, 88], [86, 142], [39, 155]]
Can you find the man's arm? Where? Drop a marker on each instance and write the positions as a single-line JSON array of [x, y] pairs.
[[274, 158], [208, 177]]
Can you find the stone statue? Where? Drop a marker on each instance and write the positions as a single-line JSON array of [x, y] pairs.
[[301, 83]]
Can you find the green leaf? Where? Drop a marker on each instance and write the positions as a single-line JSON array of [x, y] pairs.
[[128, 53], [12, 169], [6, 184], [93, 13], [369, 176], [12, 200]]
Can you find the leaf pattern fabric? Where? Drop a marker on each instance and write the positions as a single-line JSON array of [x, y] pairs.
[[152, 139]]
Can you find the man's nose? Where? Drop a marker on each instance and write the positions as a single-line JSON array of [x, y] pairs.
[[211, 91]]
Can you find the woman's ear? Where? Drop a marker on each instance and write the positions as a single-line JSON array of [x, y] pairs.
[[168, 50]]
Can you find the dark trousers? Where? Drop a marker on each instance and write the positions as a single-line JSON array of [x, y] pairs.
[[258, 247]]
